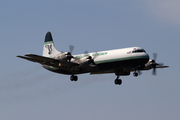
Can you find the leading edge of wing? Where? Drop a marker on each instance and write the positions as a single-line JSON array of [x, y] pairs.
[[41, 58], [30, 59], [37, 58], [45, 60]]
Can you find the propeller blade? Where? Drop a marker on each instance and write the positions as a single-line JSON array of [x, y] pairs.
[[154, 71], [156, 65], [86, 52], [95, 55], [155, 56], [71, 48]]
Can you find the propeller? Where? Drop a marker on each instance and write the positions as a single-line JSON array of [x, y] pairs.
[[155, 56], [69, 54], [95, 56], [91, 59], [156, 65]]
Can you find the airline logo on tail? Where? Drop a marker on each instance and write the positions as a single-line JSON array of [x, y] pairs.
[[49, 47]]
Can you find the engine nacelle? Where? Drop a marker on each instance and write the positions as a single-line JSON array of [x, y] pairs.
[[64, 56], [85, 61], [148, 65]]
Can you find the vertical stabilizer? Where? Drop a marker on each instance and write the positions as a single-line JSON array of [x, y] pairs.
[[49, 50]]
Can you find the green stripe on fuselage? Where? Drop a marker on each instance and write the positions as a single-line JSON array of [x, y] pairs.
[[121, 59]]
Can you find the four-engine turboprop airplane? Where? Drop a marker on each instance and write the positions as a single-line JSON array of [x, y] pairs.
[[118, 61]]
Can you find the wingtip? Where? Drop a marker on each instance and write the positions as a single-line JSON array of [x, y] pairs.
[[20, 56]]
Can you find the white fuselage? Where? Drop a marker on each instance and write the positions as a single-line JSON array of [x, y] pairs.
[[109, 61], [116, 55]]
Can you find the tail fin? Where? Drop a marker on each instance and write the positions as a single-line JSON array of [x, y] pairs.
[[49, 50]]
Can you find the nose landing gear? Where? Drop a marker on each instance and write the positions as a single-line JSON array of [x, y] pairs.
[[135, 74], [118, 81]]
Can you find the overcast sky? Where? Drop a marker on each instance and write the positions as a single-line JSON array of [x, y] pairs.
[[29, 92]]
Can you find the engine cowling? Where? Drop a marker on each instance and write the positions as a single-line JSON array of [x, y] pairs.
[[85, 62], [153, 65], [66, 56], [148, 65]]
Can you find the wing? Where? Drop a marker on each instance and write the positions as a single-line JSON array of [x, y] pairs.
[[47, 61]]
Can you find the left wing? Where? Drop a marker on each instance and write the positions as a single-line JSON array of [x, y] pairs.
[[47, 61]]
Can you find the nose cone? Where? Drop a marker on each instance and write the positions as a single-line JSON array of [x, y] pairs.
[[147, 55]]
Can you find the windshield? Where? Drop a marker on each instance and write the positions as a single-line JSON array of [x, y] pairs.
[[138, 51]]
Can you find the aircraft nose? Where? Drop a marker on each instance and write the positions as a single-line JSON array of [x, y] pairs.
[[147, 56]]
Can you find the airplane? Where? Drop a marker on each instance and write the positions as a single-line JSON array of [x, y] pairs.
[[119, 61]]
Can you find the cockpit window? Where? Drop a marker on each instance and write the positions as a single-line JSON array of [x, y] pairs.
[[144, 50], [138, 51]]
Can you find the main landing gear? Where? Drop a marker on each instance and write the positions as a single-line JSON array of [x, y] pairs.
[[118, 81], [74, 78]]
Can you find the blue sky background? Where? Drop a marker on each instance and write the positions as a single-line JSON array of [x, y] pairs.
[[28, 91]]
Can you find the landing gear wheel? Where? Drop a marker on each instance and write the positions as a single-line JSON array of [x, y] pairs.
[[118, 81], [73, 78], [135, 74]]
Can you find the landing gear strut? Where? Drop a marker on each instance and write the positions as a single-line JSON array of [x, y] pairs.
[[73, 78], [118, 81]]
